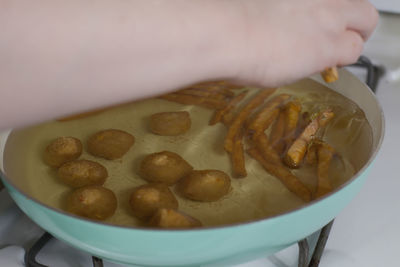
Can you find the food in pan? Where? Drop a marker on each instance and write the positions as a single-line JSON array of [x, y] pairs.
[[290, 135], [173, 219], [325, 152], [211, 103], [61, 150], [220, 114], [145, 200], [311, 155], [110, 144], [211, 95], [238, 159], [206, 93], [78, 173], [237, 124], [330, 74], [94, 202], [292, 112], [89, 113], [277, 135], [271, 162], [264, 125], [262, 144], [82, 115], [232, 143], [223, 87], [279, 171], [297, 150], [164, 167], [170, 123], [205, 185], [261, 120]]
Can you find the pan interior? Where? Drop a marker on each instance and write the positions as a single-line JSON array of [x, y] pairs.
[[257, 196]]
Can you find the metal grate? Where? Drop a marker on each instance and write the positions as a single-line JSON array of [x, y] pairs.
[[374, 72], [30, 255]]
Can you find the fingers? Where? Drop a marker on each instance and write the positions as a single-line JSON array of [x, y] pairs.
[[303, 37], [362, 17], [349, 47]]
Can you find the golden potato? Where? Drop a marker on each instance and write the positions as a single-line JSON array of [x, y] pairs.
[[164, 167], [61, 150], [170, 123], [146, 199], [78, 173], [110, 144], [170, 218], [93, 201], [205, 185]]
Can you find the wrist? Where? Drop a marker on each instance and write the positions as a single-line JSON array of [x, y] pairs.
[[218, 35]]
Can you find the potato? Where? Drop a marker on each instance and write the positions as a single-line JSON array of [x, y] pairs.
[[78, 173], [170, 123], [205, 185], [164, 167], [93, 201], [61, 150], [110, 144], [170, 218], [146, 199]]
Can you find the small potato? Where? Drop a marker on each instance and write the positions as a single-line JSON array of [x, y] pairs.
[[94, 202], [164, 167], [170, 123], [146, 199], [110, 144], [82, 172], [205, 185], [61, 150], [170, 218]]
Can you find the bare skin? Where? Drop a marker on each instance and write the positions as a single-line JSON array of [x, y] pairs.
[[64, 57]]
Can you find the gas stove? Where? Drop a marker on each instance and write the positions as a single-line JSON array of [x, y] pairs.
[[364, 234]]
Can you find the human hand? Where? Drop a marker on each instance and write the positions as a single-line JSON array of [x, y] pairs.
[[287, 40], [75, 56]]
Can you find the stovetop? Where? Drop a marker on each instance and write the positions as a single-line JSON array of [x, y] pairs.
[[365, 233]]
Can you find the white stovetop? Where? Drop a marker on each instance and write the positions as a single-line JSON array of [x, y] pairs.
[[365, 234]]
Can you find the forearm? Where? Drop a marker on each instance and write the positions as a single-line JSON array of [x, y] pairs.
[[58, 57]]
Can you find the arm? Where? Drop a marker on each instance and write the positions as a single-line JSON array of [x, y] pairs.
[[60, 57], [64, 56]]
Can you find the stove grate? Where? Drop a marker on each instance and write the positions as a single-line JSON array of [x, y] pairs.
[[30, 255], [374, 72]]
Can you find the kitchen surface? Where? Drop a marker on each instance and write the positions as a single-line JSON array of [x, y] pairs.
[[365, 234]]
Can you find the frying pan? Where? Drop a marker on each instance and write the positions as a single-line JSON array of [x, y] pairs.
[[217, 245]]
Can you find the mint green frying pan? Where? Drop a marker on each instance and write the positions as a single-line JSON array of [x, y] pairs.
[[222, 245]]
